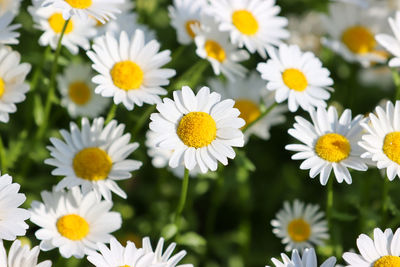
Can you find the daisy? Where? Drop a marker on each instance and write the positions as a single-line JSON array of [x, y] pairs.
[[21, 256], [94, 157], [300, 226], [251, 100], [7, 34], [296, 76], [51, 22], [9, 6], [130, 69], [309, 259], [382, 139], [73, 222], [102, 10], [328, 143], [253, 24], [383, 250], [351, 29], [12, 218], [214, 46], [184, 14], [392, 44], [77, 92], [12, 81], [200, 129]]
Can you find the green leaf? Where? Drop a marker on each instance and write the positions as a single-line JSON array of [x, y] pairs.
[[169, 231], [345, 217], [191, 239], [38, 112]]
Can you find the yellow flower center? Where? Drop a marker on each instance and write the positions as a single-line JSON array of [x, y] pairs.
[[57, 22], [92, 164], [2, 87], [125, 266], [73, 226], [79, 93], [295, 79], [127, 75], [215, 50], [245, 22], [197, 129], [249, 110], [80, 4], [388, 261], [188, 26], [299, 230], [359, 39], [333, 147], [391, 146]]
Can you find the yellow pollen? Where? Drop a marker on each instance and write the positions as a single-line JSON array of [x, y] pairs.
[[188, 26], [127, 75], [388, 261], [299, 230], [197, 129], [295, 79], [92, 164], [245, 22], [391, 146], [249, 110], [79, 93], [125, 266], [333, 147], [80, 4], [72, 226], [215, 50], [359, 39], [57, 22], [2, 87]]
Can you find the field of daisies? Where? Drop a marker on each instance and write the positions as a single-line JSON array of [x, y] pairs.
[[199, 133]]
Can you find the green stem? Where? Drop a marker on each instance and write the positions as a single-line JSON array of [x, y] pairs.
[[396, 80], [329, 201], [3, 157], [262, 115], [385, 202], [182, 200], [38, 71], [51, 92], [111, 113]]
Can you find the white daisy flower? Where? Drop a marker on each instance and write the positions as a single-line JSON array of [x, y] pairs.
[[77, 92], [328, 143], [12, 218], [9, 6], [130, 70], [184, 14], [383, 250], [308, 259], [12, 81], [382, 139], [51, 22], [296, 76], [102, 10], [94, 157], [73, 222], [21, 256], [253, 24], [390, 43], [351, 29], [214, 46], [300, 226], [7, 31], [200, 129], [250, 98]]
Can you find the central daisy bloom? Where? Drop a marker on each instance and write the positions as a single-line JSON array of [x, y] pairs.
[[249, 110], [215, 50], [79, 93], [73, 227], [333, 147], [80, 4], [295, 79], [359, 39], [388, 261], [127, 75], [245, 22], [197, 129], [391, 146], [92, 164], [299, 230], [188, 27], [57, 22]]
